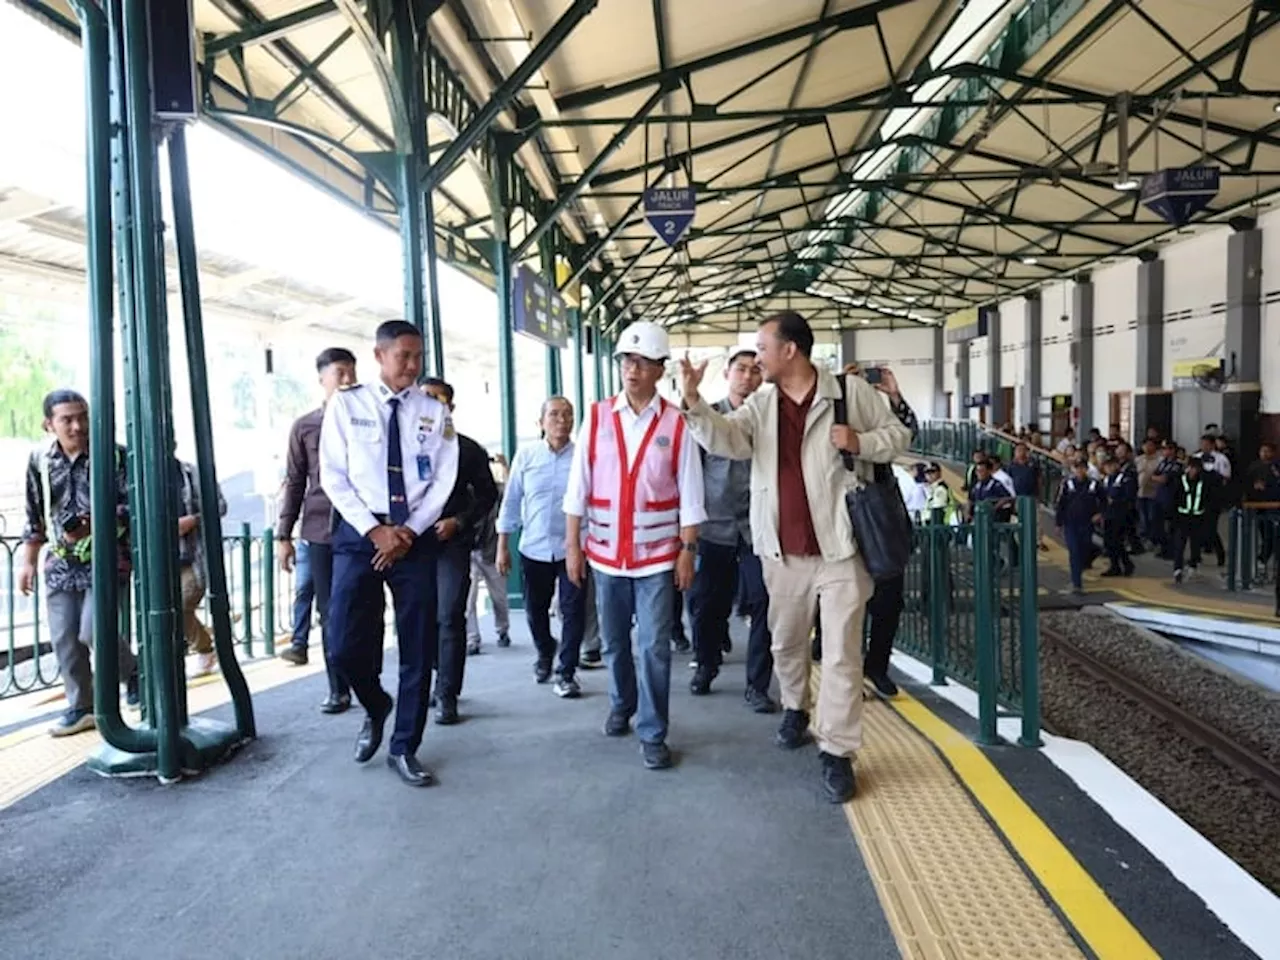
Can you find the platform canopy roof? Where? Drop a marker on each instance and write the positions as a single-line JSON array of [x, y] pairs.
[[865, 162]]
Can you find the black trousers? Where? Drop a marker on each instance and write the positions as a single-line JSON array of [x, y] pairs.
[[370, 616], [541, 577], [1188, 531], [1114, 530], [453, 583], [723, 573], [884, 610]]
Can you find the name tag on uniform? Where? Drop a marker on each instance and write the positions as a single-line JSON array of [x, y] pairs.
[[424, 468], [365, 430]]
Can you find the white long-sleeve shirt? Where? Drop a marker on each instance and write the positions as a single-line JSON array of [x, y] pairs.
[[634, 425], [353, 455]]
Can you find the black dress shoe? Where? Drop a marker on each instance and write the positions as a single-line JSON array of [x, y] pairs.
[[411, 771], [542, 671], [336, 704], [837, 778], [700, 685], [883, 686], [447, 714], [370, 738]]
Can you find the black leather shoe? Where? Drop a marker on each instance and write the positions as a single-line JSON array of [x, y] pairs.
[[759, 702], [700, 685], [837, 778], [794, 729], [411, 771], [447, 713], [883, 686], [370, 738], [336, 704], [542, 671]]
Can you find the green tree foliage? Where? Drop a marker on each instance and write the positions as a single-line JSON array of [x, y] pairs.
[[28, 370]]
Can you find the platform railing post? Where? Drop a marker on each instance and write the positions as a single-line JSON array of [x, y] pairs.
[[1029, 622], [268, 592], [984, 621], [1233, 547], [938, 531], [246, 585], [1247, 561]]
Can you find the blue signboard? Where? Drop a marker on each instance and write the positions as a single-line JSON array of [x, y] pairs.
[[670, 211], [975, 400], [1178, 195], [538, 310]]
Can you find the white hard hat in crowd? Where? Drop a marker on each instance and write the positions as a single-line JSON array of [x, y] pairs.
[[644, 339]]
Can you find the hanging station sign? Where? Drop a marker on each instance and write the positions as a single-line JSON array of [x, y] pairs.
[[1178, 195], [538, 310], [670, 211]]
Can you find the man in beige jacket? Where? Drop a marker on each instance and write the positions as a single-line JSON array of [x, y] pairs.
[[800, 527]]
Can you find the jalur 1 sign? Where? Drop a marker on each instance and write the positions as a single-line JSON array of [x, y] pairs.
[[670, 211], [1178, 195], [539, 311]]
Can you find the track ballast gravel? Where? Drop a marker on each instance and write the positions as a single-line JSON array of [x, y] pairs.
[[1234, 813]]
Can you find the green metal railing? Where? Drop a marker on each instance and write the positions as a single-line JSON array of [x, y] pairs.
[[972, 613], [1253, 541], [261, 606], [956, 441]]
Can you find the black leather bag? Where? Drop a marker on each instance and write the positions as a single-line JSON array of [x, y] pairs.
[[881, 524]]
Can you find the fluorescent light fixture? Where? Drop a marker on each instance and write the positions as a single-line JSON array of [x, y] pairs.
[[1126, 183], [866, 323], [1030, 261]]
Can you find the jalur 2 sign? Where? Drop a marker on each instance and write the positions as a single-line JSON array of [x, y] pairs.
[[1178, 195], [670, 211], [539, 311]]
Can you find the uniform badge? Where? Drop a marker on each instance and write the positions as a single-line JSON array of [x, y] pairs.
[[426, 423], [449, 432], [663, 441]]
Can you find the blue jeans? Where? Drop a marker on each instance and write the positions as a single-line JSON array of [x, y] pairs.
[[649, 601], [304, 593]]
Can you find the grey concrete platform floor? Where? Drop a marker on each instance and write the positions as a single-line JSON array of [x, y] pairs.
[[542, 839]]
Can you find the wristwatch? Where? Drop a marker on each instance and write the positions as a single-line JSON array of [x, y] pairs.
[[689, 547]]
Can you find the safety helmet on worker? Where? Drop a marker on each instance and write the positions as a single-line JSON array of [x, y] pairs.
[[644, 339]]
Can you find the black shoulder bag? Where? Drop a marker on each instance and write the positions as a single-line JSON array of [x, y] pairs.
[[881, 525]]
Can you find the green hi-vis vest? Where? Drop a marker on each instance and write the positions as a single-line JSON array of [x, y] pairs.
[[1194, 506]]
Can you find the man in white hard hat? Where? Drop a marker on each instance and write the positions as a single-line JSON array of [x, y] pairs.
[[637, 479]]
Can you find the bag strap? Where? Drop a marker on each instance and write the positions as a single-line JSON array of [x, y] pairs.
[[842, 416], [883, 473]]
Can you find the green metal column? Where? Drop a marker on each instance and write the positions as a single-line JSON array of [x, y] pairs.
[[409, 208], [579, 371], [597, 360], [611, 366], [206, 463], [547, 252], [159, 521], [107, 593], [502, 269]]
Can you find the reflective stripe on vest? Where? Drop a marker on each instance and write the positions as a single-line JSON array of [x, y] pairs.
[[1193, 508], [633, 510]]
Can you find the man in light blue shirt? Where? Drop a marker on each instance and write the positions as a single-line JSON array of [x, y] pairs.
[[533, 504]]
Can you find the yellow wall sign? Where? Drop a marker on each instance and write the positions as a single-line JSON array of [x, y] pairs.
[[963, 318]]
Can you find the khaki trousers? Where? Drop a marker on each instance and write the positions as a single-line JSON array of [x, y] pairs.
[[839, 592], [198, 638]]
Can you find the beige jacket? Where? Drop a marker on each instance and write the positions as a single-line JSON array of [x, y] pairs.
[[751, 433]]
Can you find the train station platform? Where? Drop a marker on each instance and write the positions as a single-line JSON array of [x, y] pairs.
[[545, 839]]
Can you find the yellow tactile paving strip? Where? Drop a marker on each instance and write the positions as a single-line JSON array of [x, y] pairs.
[[30, 758], [948, 885]]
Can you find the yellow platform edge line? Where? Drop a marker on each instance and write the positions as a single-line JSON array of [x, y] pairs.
[[1097, 920]]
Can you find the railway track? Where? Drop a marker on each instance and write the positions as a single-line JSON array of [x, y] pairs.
[[1242, 759]]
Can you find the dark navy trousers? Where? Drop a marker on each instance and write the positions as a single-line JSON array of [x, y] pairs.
[[357, 589]]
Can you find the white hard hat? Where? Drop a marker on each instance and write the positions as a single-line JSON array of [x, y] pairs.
[[644, 339]]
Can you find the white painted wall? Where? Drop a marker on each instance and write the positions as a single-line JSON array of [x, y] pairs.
[[1115, 337], [909, 354], [950, 353], [1195, 295], [1013, 338], [1055, 338], [1270, 358]]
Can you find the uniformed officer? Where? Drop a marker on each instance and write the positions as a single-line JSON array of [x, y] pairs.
[[388, 460], [1079, 507], [1191, 517], [1121, 489]]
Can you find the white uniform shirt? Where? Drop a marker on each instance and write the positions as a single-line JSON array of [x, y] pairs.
[[1216, 462], [634, 425], [353, 455], [1005, 480]]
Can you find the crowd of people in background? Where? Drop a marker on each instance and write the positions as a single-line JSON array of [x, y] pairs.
[[1116, 503]]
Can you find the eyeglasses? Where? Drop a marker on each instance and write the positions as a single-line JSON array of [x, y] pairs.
[[632, 360]]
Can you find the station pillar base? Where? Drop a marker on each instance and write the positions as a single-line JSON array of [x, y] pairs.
[[204, 743]]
